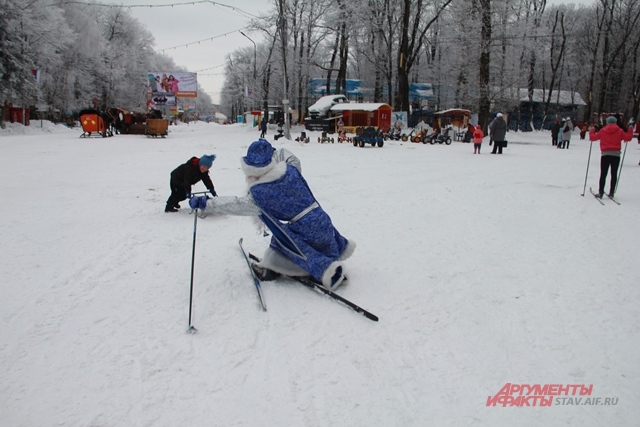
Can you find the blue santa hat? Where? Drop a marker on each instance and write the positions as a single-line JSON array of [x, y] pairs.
[[259, 153], [207, 160]]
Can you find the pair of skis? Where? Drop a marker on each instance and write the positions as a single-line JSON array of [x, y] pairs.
[[309, 282], [599, 199]]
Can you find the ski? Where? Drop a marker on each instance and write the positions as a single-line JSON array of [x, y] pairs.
[[253, 275], [597, 198], [614, 200], [312, 283]]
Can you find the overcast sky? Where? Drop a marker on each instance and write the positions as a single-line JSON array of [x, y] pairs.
[[186, 23]]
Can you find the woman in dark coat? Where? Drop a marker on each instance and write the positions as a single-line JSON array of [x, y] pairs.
[[498, 132]]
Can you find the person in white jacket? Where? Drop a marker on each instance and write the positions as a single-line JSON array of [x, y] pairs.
[[566, 131]]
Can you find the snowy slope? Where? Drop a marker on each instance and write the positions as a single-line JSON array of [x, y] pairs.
[[483, 269]]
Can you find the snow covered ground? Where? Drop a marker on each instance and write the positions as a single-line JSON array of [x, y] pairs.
[[484, 270]]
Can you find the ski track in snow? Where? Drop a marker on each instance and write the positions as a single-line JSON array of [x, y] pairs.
[[484, 269]]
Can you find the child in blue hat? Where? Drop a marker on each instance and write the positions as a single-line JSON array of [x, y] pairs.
[[187, 174]]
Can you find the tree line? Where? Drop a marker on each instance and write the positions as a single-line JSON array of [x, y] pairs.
[[82, 55], [484, 50], [489, 53]]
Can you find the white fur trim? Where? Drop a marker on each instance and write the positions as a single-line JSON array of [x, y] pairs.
[[273, 260], [328, 274], [348, 251], [256, 171], [272, 172]]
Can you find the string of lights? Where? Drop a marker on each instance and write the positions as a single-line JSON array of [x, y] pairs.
[[203, 40], [235, 9], [191, 3], [210, 68], [444, 40]]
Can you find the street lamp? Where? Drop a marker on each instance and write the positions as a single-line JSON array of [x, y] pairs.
[[255, 58], [255, 54]]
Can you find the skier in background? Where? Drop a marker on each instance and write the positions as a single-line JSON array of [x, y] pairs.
[[611, 137]]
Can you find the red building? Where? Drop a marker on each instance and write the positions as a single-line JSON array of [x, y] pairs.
[[363, 115]]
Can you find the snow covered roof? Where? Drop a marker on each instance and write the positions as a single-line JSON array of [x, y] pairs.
[[453, 111], [563, 97], [324, 103], [361, 106]]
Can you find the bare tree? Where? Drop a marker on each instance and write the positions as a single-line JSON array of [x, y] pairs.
[[618, 25], [412, 36], [536, 7], [485, 63]]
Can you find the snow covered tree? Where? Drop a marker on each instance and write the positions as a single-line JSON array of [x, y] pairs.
[[33, 37]]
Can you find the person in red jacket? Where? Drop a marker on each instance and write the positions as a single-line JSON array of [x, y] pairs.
[[611, 137], [477, 139]]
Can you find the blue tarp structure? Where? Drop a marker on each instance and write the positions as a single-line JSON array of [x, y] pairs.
[[421, 91], [318, 86]]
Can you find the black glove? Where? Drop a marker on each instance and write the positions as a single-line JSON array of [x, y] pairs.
[[213, 192]]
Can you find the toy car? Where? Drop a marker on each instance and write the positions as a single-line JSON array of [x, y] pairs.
[[324, 138], [369, 135]]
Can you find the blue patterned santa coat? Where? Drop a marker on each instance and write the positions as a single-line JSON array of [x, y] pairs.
[[302, 230]]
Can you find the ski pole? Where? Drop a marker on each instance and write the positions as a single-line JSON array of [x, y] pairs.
[[620, 170], [585, 177], [192, 329]]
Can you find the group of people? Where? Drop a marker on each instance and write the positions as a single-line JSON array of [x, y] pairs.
[[166, 84], [611, 136], [497, 135], [561, 133], [304, 240]]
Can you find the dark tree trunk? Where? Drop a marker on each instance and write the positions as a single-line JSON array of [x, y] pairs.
[[485, 61]]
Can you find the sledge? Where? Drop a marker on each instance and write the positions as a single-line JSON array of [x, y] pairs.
[[157, 127], [93, 125]]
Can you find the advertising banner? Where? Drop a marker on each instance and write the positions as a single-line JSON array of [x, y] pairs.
[[399, 119], [155, 99], [176, 85]]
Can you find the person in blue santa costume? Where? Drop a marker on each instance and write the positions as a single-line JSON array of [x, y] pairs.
[[304, 240]]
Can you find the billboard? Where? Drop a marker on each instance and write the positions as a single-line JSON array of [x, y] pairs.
[[160, 98], [175, 85]]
